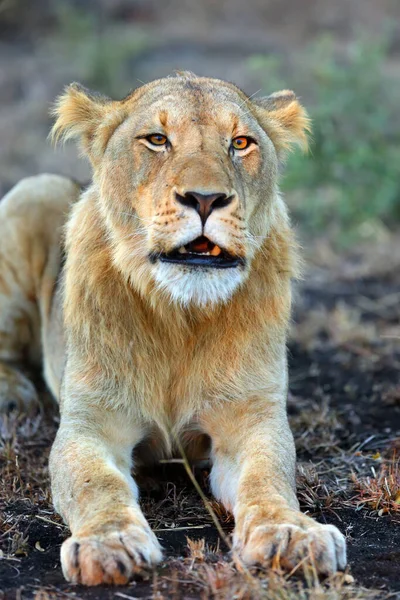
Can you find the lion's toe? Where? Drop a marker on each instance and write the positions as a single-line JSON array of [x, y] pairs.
[[111, 559], [286, 546]]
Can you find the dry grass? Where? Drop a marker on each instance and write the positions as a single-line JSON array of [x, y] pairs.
[[221, 580], [205, 571], [345, 327], [316, 426], [380, 492]]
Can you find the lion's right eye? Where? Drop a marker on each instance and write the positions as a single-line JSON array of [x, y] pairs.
[[157, 139]]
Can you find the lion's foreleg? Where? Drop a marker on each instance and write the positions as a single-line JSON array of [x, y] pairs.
[[253, 474], [93, 490]]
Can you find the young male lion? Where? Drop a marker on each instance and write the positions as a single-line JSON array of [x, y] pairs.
[[174, 301]]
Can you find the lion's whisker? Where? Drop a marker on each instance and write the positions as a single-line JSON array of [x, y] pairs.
[[249, 98], [137, 218]]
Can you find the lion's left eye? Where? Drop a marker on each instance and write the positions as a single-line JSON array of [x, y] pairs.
[[157, 139], [241, 143]]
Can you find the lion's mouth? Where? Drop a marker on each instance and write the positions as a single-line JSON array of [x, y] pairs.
[[202, 253]]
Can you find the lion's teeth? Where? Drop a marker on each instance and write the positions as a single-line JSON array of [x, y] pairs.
[[216, 251]]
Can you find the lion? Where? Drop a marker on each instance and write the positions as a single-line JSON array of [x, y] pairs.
[[158, 301]]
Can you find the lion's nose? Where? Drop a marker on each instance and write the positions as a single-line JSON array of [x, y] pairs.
[[204, 204]]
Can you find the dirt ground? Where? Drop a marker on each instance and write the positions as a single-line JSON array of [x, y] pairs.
[[344, 406]]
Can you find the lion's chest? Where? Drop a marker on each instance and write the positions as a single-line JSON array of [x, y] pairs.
[[171, 383]]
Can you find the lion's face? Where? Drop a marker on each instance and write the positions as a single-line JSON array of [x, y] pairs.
[[186, 170]]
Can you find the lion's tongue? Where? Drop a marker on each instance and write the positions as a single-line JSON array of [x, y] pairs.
[[202, 245]]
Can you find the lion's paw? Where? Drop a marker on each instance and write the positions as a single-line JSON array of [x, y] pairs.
[[17, 393], [112, 558], [286, 545]]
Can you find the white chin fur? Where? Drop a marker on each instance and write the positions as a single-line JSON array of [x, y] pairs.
[[200, 286]]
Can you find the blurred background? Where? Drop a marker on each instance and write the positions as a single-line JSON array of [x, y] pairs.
[[342, 58]]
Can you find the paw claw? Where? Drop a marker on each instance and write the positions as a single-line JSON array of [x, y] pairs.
[[76, 555]]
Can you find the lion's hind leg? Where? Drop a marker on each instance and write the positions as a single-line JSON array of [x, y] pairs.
[[19, 326], [31, 216]]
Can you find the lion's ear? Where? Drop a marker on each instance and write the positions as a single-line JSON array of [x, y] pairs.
[[83, 115], [284, 119]]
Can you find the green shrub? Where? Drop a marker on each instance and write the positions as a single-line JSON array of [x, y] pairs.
[[100, 51], [351, 178]]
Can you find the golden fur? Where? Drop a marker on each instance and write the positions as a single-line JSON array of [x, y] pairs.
[[156, 352]]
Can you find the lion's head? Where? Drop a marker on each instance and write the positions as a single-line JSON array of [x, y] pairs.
[[185, 172]]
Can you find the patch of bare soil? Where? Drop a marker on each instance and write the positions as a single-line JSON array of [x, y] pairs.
[[344, 406]]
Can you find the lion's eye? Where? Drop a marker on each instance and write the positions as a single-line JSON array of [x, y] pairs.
[[240, 143], [157, 139]]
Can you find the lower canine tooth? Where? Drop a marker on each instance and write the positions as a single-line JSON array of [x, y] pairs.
[[182, 250], [216, 251]]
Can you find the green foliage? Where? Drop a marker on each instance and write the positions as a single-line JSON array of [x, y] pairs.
[[99, 50], [351, 178]]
